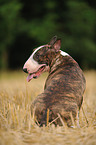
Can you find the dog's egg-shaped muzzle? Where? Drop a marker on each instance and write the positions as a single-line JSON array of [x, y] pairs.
[[31, 65]]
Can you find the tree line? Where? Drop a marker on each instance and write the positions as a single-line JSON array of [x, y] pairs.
[[25, 25]]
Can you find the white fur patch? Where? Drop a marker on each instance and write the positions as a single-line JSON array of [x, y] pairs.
[[63, 53]]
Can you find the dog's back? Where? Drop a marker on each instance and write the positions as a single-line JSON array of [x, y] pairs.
[[63, 92]]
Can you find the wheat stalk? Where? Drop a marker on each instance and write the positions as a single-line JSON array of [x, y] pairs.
[[85, 116], [47, 117]]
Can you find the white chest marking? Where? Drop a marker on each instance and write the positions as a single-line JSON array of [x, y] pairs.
[[63, 53]]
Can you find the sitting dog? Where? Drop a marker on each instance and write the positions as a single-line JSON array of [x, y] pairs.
[[64, 87]]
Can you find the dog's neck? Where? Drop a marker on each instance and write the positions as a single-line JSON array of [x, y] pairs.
[[55, 62]]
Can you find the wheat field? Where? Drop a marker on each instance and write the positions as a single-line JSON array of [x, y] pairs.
[[17, 126]]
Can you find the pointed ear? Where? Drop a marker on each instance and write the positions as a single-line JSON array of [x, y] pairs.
[[57, 45], [53, 40]]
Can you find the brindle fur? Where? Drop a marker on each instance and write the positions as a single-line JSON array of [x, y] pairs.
[[63, 92]]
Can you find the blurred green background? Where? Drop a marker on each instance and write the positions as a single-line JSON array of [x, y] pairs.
[[25, 25]]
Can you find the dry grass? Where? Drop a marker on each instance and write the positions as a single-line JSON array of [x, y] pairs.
[[17, 126]]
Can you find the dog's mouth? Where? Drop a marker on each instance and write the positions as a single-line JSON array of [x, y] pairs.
[[36, 74]]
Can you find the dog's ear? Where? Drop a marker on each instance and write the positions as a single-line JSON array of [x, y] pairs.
[[57, 45], [53, 40]]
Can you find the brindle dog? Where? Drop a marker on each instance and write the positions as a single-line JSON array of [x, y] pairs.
[[64, 87]]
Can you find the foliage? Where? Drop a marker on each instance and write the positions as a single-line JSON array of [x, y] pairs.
[[9, 15], [25, 25]]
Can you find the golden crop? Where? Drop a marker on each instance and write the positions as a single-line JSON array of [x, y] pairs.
[[17, 126]]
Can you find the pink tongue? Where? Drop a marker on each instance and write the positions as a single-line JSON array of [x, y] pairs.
[[29, 77]]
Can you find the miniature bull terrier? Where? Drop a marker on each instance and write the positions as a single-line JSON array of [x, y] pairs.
[[64, 87]]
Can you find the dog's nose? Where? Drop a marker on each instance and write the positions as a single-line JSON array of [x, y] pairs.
[[25, 70]]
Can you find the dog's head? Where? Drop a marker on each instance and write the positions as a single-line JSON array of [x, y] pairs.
[[41, 58]]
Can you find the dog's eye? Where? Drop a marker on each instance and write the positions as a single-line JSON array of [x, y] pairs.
[[37, 56]]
